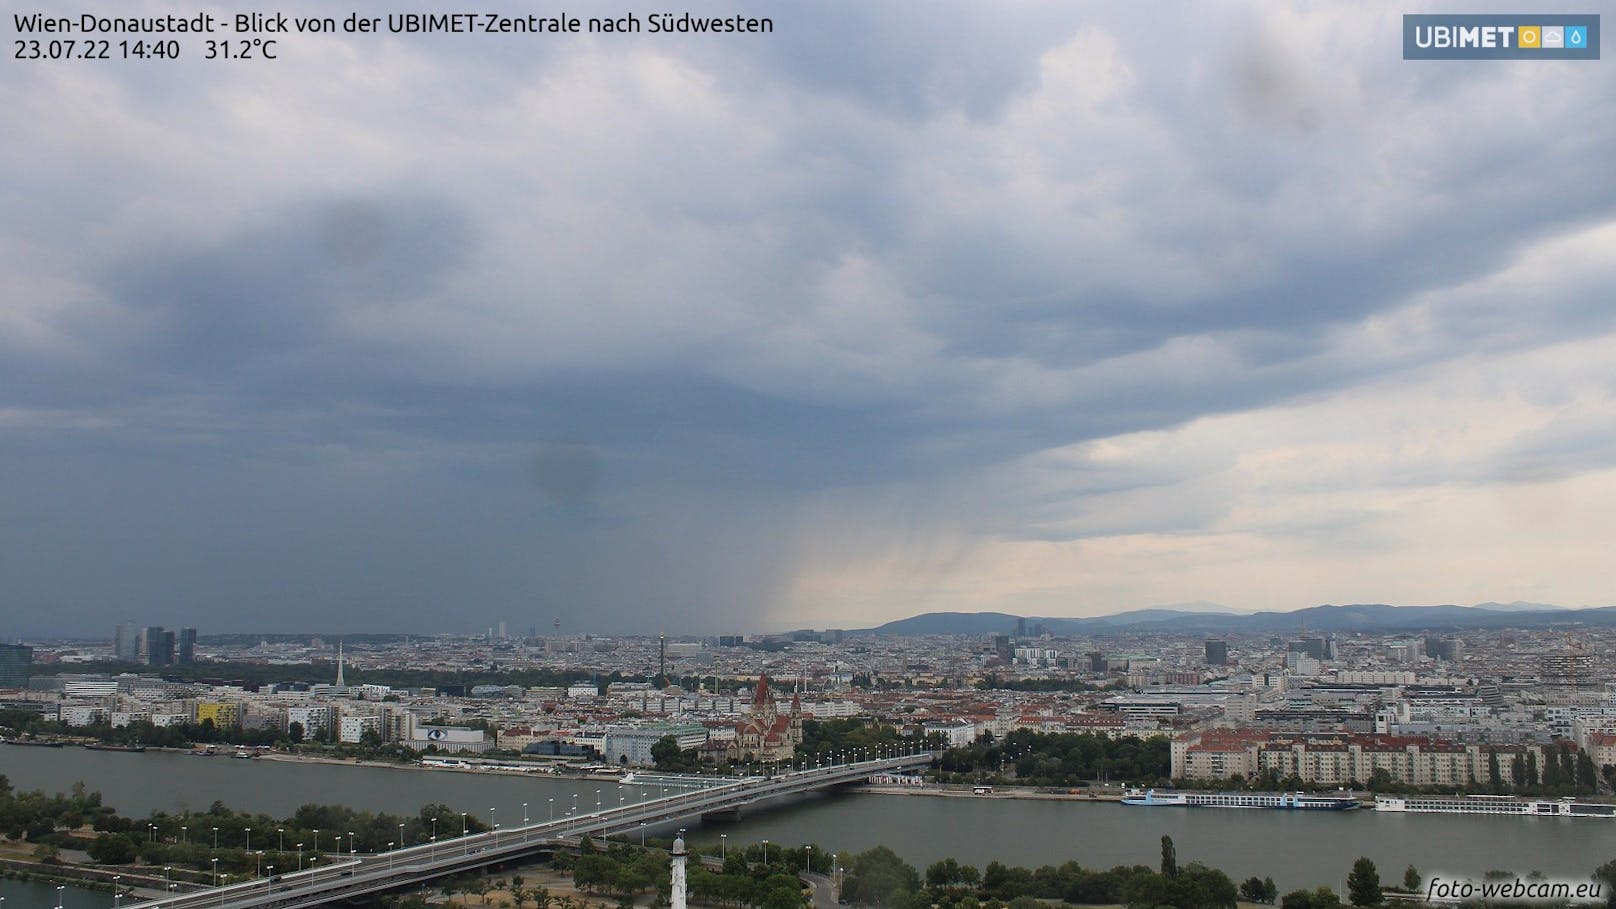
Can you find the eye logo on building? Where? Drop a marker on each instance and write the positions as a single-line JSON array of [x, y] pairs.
[[1530, 36]]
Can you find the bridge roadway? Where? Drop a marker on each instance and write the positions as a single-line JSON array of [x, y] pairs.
[[359, 875]]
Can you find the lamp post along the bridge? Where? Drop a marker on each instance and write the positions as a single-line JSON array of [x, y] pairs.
[[524, 814], [723, 846]]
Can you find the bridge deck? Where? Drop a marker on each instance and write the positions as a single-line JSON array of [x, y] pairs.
[[364, 874]]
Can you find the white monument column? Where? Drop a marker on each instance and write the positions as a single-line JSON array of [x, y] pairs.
[[677, 897]]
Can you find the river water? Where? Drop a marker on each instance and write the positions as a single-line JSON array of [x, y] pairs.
[[1294, 848]]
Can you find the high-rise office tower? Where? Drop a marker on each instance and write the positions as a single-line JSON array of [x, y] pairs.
[[1217, 653], [126, 643], [187, 648], [151, 644], [15, 663]]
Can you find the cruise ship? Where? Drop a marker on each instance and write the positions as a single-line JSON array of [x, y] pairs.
[[1494, 804], [1292, 801]]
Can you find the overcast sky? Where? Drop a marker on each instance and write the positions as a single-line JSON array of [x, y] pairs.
[[1046, 308]]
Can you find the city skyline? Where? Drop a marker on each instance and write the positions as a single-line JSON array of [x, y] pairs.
[[903, 307]]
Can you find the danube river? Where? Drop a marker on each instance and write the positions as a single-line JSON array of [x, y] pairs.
[[1294, 848]]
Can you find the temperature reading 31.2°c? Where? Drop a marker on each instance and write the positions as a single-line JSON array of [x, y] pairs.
[[241, 49]]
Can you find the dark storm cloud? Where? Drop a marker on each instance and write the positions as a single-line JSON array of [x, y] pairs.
[[670, 332]]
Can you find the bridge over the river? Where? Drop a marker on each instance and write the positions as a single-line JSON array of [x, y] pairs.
[[359, 875]]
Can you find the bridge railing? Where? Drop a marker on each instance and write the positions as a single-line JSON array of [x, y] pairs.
[[380, 871]]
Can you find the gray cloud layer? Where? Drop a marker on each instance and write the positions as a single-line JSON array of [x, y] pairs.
[[907, 306]]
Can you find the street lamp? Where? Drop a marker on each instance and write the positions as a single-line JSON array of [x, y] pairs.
[[248, 847], [524, 814], [258, 863], [808, 858], [117, 892], [464, 846], [184, 838], [597, 801], [216, 838], [765, 853], [300, 856], [153, 829], [215, 861], [552, 808], [642, 833], [59, 890], [352, 849], [401, 836], [723, 846], [389, 855], [316, 841], [280, 845]]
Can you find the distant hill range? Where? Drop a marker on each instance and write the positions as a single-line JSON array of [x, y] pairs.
[[1211, 618]]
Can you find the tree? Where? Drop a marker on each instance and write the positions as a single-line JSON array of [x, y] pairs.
[[1363, 884], [1411, 879], [1297, 899], [1587, 774], [1169, 858], [112, 849], [295, 732], [665, 753], [1258, 890], [945, 873], [1607, 874]]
